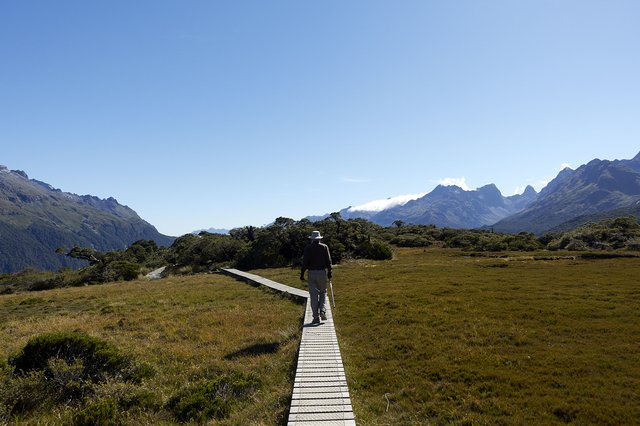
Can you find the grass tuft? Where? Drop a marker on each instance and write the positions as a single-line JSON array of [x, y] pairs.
[[212, 399]]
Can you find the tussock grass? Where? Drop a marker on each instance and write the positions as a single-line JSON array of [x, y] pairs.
[[189, 330], [442, 337]]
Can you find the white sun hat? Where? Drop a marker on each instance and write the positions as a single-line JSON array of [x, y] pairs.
[[315, 235]]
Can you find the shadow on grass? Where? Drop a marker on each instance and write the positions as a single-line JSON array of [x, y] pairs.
[[254, 350]]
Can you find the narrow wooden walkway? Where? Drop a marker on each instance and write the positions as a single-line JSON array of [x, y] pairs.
[[258, 280], [320, 393]]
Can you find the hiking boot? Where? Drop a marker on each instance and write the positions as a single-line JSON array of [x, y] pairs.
[[315, 321], [323, 316]]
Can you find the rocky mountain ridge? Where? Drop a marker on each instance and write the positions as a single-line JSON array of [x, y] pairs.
[[453, 207], [600, 188], [36, 218], [592, 189], [448, 206]]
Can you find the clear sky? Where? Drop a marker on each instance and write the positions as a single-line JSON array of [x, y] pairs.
[[201, 114]]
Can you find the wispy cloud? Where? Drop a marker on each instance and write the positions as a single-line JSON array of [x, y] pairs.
[[544, 181], [519, 190], [460, 182], [379, 205]]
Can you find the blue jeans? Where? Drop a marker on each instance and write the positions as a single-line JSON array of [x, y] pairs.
[[317, 282]]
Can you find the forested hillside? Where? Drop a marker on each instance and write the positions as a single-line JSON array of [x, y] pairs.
[[35, 219]]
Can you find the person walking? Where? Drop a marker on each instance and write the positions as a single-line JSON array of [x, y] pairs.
[[317, 260]]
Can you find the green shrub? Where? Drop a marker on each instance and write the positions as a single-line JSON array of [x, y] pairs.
[[23, 393], [211, 398], [375, 250], [412, 241], [633, 244], [128, 396], [4, 414], [122, 270], [47, 283], [102, 411], [576, 245], [68, 380], [205, 251], [98, 358], [64, 368], [136, 371]]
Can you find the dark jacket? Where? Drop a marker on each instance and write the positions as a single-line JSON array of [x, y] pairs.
[[316, 257]]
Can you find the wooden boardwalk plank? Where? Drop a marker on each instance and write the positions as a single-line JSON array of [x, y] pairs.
[[298, 403], [256, 279], [307, 409], [320, 423], [321, 416], [320, 394]]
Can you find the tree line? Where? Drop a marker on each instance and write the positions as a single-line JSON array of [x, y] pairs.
[[281, 244]]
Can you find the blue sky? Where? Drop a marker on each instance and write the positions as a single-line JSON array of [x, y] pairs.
[[201, 114]]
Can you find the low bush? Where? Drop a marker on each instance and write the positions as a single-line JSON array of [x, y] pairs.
[[129, 396], [68, 380], [412, 241], [211, 398], [47, 283], [102, 411], [375, 250], [121, 270], [72, 368], [98, 358], [23, 393], [612, 234]]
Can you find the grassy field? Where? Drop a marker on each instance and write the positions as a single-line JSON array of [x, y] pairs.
[[430, 337], [186, 329], [443, 337]]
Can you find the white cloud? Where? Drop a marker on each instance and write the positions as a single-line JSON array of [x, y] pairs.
[[460, 182], [564, 166], [544, 181], [379, 205], [519, 190]]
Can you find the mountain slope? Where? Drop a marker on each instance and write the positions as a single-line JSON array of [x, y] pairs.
[[594, 188], [453, 207], [445, 206], [35, 219], [632, 210]]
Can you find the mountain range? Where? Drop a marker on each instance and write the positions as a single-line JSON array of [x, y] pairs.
[[594, 189], [453, 207], [599, 189], [446, 206], [36, 218]]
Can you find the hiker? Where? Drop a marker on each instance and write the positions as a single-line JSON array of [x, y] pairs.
[[317, 260]]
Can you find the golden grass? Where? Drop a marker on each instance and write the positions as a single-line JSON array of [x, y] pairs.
[[431, 337], [441, 337], [187, 328]]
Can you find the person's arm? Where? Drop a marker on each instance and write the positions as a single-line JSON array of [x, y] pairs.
[[328, 260], [305, 263]]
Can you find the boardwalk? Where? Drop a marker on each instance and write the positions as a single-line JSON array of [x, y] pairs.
[[320, 393], [258, 280]]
